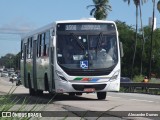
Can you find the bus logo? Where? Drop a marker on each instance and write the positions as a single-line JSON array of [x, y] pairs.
[[84, 64]]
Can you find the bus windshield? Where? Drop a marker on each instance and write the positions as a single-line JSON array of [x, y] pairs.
[[87, 50]]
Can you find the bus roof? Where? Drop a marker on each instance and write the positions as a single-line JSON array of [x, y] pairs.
[[39, 30], [52, 25], [84, 21]]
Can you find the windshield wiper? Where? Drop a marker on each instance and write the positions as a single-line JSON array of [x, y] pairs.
[[99, 40], [79, 43]]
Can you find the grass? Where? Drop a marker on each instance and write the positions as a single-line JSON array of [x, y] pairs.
[[8, 101], [139, 79], [154, 80]]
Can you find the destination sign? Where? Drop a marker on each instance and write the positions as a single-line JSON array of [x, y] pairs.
[[82, 27], [85, 27]]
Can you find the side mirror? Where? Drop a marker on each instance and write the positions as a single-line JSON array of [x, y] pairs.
[[121, 49], [54, 40]]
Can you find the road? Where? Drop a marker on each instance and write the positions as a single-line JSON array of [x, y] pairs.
[[116, 102]]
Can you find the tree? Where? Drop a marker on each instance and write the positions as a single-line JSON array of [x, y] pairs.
[[100, 9], [151, 46], [137, 4], [7, 60], [11, 61], [158, 5], [126, 36]]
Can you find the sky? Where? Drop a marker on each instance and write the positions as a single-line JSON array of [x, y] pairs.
[[21, 16]]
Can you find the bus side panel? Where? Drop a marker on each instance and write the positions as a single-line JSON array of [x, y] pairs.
[[22, 71], [34, 76], [40, 74], [24, 67], [52, 77], [29, 68], [42, 65]]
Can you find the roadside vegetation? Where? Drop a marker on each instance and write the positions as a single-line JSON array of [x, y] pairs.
[[137, 43], [9, 101]]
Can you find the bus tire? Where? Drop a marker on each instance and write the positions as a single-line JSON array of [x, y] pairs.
[[46, 82], [31, 91], [101, 95], [79, 93], [29, 81], [72, 94], [39, 92]]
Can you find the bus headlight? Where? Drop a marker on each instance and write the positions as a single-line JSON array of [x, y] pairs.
[[60, 75], [114, 76]]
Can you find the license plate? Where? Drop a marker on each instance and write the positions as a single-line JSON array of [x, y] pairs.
[[89, 89]]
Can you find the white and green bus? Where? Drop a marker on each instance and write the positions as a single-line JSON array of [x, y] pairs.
[[72, 56]]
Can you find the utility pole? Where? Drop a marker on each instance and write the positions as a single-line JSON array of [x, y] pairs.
[[150, 58]]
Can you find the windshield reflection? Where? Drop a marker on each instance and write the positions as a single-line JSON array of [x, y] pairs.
[[87, 51]]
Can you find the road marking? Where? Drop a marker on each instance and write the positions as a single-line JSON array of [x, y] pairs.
[[106, 96], [113, 97], [141, 100]]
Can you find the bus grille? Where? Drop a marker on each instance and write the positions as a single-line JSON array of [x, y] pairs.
[[82, 87]]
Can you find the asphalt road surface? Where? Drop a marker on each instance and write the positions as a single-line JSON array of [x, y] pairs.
[[116, 105]]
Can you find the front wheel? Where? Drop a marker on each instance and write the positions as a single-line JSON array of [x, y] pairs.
[[72, 94], [39, 92], [101, 95], [79, 93], [32, 92]]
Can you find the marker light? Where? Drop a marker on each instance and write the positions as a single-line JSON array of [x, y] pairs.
[[61, 76], [114, 76]]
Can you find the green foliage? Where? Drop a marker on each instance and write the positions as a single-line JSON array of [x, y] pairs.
[[154, 80], [10, 61], [8, 101], [138, 78], [100, 9], [127, 37], [136, 2], [158, 5]]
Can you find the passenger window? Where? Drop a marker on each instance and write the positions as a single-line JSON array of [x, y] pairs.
[[40, 45], [43, 44], [38, 41], [29, 48], [46, 43], [28, 42], [22, 47]]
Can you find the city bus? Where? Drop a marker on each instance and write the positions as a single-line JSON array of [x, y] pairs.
[[73, 57]]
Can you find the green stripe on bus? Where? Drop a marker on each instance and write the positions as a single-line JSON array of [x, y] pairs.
[[78, 79]]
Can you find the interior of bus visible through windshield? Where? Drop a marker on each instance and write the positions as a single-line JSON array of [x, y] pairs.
[[87, 51]]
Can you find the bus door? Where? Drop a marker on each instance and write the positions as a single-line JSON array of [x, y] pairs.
[[25, 68], [34, 64], [52, 67]]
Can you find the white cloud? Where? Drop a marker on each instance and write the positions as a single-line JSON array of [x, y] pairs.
[[17, 26]]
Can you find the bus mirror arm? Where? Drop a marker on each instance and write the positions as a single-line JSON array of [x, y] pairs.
[[54, 40], [121, 49]]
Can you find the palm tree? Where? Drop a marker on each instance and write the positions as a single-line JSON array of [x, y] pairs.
[[136, 2], [150, 59], [158, 5], [138, 5], [143, 39], [100, 9]]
